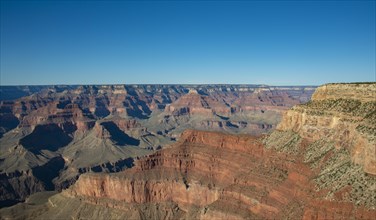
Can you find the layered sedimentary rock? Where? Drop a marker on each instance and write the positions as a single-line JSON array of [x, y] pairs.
[[344, 114], [140, 101], [306, 169], [195, 103], [338, 135], [205, 175], [211, 175], [364, 92], [77, 103], [98, 127]]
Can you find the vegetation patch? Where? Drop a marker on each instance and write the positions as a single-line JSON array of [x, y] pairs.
[[283, 141], [338, 172], [316, 151]]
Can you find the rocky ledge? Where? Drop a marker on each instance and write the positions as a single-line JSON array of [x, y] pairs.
[[343, 114]]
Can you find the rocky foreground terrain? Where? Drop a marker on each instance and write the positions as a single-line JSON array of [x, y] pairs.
[[49, 135], [318, 164]]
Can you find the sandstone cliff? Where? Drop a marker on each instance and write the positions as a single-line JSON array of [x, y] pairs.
[[344, 114], [204, 174], [211, 175]]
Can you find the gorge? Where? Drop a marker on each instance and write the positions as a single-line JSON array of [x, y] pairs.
[[50, 135], [318, 163]]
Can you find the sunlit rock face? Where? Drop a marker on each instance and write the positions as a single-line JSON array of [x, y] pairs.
[[342, 113], [210, 175], [204, 174]]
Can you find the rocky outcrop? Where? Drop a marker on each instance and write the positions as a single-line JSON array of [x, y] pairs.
[[342, 113], [364, 92], [194, 103], [198, 171], [141, 191], [126, 124], [211, 175]]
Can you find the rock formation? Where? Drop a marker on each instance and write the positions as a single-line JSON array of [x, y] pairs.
[[312, 167], [99, 127], [343, 115]]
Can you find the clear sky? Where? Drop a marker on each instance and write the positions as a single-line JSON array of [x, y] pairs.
[[164, 42]]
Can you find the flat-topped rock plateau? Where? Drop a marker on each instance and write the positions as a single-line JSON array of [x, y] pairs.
[[318, 164]]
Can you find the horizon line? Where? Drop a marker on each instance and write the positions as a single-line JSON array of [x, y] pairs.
[[181, 84], [187, 84]]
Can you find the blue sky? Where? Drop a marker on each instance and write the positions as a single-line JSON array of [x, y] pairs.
[[164, 42]]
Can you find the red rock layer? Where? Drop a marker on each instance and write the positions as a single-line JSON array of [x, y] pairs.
[[194, 103], [226, 176]]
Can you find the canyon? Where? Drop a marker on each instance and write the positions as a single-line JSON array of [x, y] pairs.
[[50, 135], [317, 163]]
